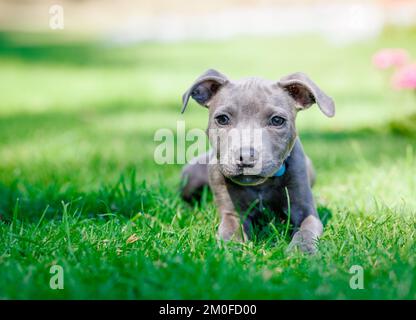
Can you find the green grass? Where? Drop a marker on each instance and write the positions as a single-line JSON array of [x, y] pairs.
[[77, 176]]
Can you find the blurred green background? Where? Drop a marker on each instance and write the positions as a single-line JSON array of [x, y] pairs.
[[78, 112]]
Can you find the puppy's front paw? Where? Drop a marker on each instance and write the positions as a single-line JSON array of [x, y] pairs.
[[230, 228], [305, 241], [227, 235]]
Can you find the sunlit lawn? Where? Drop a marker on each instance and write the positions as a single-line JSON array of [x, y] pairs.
[[77, 175]]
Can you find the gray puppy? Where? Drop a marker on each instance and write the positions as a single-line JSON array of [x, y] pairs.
[[246, 176]]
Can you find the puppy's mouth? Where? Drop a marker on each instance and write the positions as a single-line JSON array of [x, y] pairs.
[[250, 176], [248, 180]]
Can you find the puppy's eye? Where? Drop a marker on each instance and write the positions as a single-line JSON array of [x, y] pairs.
[[277, 121], [222, 119]]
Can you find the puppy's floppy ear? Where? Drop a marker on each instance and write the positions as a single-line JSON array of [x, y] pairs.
[[204, 88], [305, 92]]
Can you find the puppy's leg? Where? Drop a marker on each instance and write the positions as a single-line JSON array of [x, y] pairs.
[[303, 214], [305, 219], [307, 236], [311, 171], [231, 226]]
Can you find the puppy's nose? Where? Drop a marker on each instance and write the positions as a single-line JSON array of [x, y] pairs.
[[246, 157]]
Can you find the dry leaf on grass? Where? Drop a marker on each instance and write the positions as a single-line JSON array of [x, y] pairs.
[[133, 238]]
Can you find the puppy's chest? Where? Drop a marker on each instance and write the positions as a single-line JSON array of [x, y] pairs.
[[257, 199]]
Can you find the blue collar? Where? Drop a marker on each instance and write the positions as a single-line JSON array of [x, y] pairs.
[[281, 170]]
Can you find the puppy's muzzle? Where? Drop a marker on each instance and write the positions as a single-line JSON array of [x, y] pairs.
[[246, 157]]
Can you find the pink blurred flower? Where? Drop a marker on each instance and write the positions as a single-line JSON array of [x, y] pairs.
[[387, 58], [405, 77]]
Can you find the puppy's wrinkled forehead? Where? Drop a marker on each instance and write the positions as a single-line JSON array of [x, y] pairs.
[[250, 96]]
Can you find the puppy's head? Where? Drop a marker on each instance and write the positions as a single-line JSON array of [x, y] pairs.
[[252, 121]]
